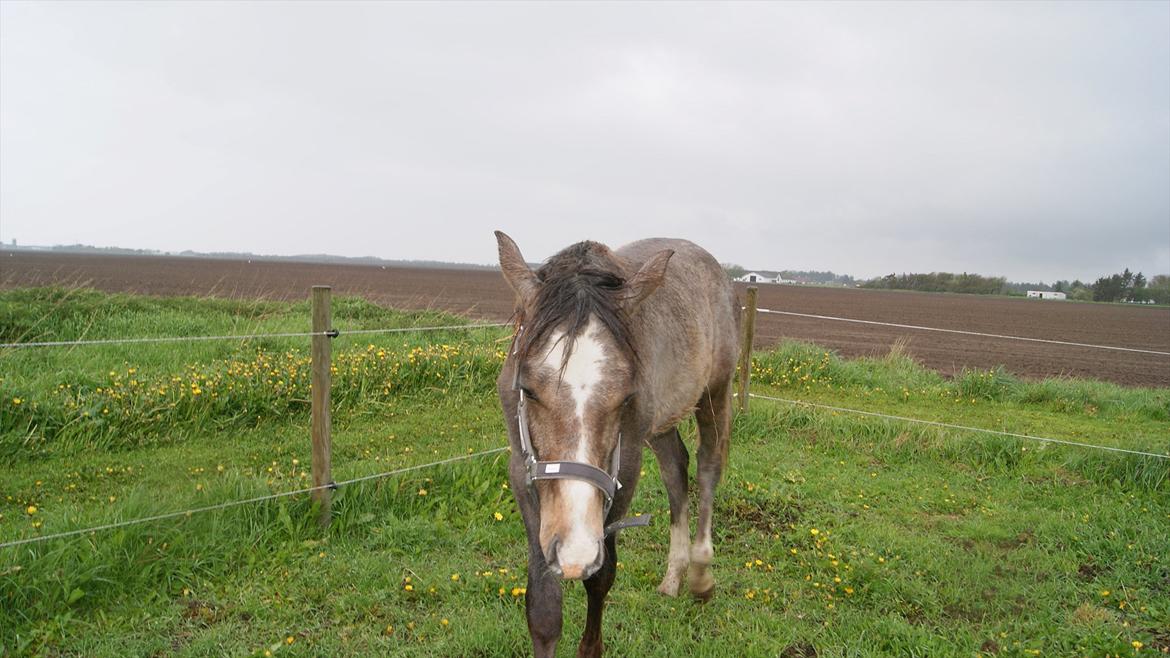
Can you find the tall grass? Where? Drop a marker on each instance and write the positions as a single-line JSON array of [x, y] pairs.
[[798, 366], [111, 396]]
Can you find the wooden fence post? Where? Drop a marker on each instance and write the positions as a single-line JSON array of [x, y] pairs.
[[745, 349], [321, 385]]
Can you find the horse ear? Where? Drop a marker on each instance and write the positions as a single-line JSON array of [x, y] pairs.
[[647, 280], [516, 271]]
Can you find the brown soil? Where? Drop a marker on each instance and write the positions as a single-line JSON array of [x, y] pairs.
[[1119, 325], [483, 294]]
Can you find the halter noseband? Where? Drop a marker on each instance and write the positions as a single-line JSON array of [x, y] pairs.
[[568, 470]]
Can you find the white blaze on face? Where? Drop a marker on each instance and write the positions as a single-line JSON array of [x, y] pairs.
[[581, 376]]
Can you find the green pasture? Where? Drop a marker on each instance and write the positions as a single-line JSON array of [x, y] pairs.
[[836, 535]]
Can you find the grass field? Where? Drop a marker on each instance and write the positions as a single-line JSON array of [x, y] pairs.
[[836, 535]]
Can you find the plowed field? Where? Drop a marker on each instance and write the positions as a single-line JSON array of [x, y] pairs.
[[483, 294]]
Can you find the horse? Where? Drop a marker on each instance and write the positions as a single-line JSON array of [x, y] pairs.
[[613, 349]]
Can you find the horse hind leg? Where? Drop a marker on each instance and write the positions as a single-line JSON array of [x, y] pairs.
[[713, 414], [673, 460]]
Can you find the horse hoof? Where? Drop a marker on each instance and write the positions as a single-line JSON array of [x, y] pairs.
[[705, 595], [593, 651], [702, 585], [669, 587]]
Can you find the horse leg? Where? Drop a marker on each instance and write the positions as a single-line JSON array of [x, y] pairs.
[[597, 588], [672, 463], [713, 414], [542, 605], [542, 601]]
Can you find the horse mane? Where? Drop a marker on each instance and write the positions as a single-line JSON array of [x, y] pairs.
[[580, 281]]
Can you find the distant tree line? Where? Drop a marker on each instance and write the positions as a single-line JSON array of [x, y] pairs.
[[1123, 287], [941, 282], [733, 271], [814, 276]]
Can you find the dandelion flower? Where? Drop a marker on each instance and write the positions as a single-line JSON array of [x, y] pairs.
[[814, 532], [422, 492], [499, 517], [289, 640], [454, 577], [32, 509]]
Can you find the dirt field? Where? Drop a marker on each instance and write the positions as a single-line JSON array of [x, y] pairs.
[[483, 294]]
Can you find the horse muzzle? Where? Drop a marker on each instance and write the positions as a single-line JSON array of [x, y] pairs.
[[574, 562]]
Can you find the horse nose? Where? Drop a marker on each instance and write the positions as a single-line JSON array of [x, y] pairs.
[[550, 556], [576, 566]]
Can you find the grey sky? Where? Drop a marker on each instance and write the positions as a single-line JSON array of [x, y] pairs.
[[1022, 139]]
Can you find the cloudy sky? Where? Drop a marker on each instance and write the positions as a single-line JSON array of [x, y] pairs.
[[1021, 139]]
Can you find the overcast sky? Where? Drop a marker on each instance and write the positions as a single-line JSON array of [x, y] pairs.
[[1020, 139]]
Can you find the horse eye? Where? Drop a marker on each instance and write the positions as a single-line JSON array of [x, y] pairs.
[[529, 394], [629, 399]]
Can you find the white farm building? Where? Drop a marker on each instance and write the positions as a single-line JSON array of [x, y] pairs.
[[1045, 294], [756, 277]]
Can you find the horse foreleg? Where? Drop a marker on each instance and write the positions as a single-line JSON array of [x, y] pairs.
[[597, 588], [714, 419], [543, 598], [542, 605], [672, 463]]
